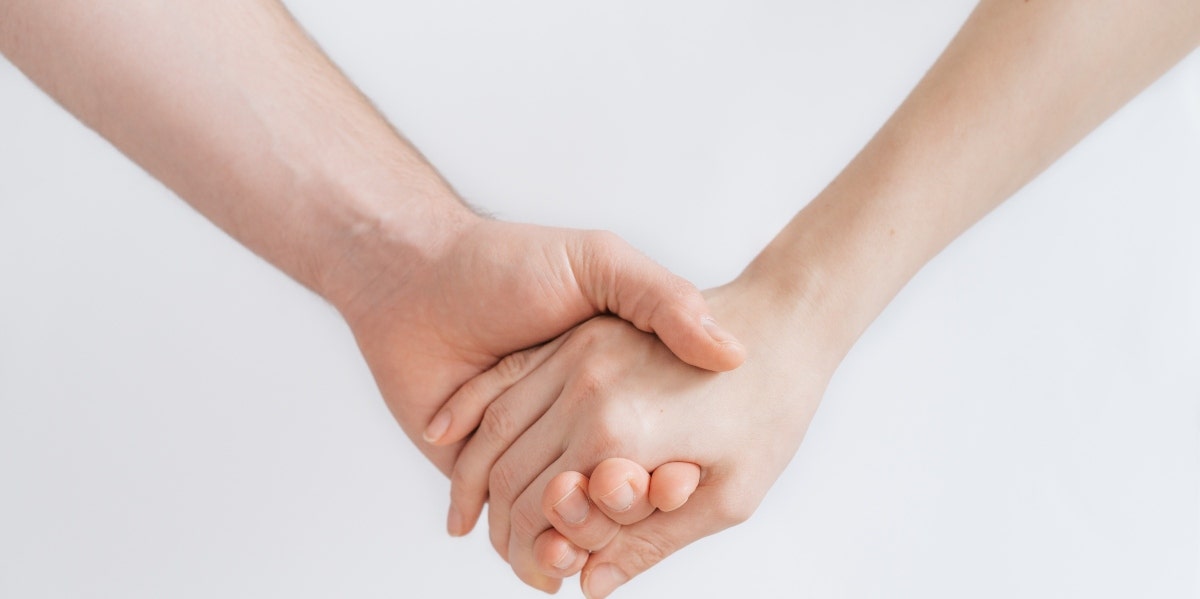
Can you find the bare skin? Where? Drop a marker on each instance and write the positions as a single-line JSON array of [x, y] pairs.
[[234, 108], [1019, 85]]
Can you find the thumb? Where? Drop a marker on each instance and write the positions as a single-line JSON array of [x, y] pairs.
[[638, 547], [617, 278]]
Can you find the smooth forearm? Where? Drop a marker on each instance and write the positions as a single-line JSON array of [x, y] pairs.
[[232, 106], [1018, 86]]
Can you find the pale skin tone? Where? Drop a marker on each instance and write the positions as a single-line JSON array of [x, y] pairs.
[[1020, 84], [235, 109], [230, 105]]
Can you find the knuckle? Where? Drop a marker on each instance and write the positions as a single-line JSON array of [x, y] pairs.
[[732, 508], [527, 523], [603, 443], [499, 542], [463, 483], [620, 417], [681, 290], [499, 423], [501, 483], [613, 432], [677, 298], [648, 550], [606, 241], [585, 336], [590, 381], [606, 257], [596, 374], [595, 332], [512, 366]]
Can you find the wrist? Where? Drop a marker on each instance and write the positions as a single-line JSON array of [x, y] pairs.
[[823, 280], [786, 308], [379, 235]]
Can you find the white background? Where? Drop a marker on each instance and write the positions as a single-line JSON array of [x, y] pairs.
[[178, 419]]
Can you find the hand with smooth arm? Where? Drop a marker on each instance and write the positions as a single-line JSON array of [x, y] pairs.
[[1019, 85]]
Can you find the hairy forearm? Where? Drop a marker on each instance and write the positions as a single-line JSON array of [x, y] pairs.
[[233, 107], [1019, 85]]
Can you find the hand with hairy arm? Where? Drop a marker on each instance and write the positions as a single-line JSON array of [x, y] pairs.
[[234, 108]]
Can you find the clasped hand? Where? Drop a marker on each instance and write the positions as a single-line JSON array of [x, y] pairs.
[[674, 452], [492, 288]]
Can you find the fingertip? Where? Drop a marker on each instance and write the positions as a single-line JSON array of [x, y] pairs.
[[728, 353], [530, 573], [618, 483], [700, 341], [556, 556], [465, 509], [672, 484], [454, 524], [543, 583], [644, 544], [559, 488], [654, 300], [619, 487], [602, 580], [436, 431], [460, 521], [573, 508], [721, 357]]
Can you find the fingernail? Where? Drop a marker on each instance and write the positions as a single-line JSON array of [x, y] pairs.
[[620, 498], [454, 522], [573, 507], [438, 427], [564, 562], [716, 332], [604, 580]]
